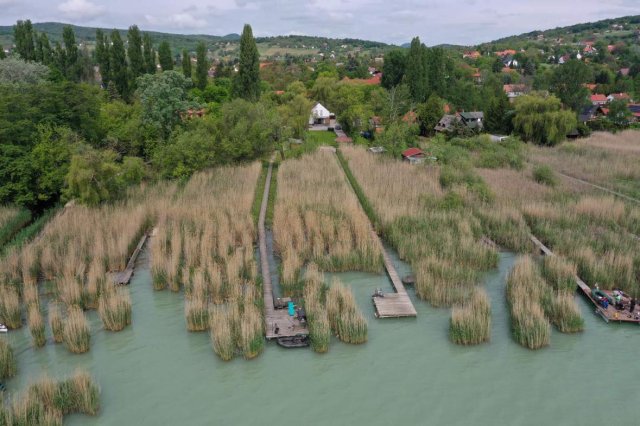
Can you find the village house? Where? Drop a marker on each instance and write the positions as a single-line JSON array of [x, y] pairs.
[[598, 99], [514, 90], [509, 61], [619, 97], [473, 54], [624, 72], [413, 156], [320, 116], [504, 53], [473, 120]]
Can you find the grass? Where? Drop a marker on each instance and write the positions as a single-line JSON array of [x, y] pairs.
[[273, 192], [114, 309], [345, 319], [8, 362], [77, 333], [471, 322], [12, 220], [318, 219]]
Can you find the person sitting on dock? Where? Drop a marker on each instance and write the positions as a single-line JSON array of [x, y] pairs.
[[276, 329], [632, 305]]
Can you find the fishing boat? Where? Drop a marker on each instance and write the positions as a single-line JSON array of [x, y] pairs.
[[293, 341], [3, 328]]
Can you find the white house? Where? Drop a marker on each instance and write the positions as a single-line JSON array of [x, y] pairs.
[[319, 115]]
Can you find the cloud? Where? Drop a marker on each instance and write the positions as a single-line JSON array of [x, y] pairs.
[[80, 9], [179, 21]]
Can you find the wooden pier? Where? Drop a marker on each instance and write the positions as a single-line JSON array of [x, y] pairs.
[[608, 314], [124, 277], [388, 305], [278, 322]]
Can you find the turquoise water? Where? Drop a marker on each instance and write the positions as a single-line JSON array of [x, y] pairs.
[[155, 372]]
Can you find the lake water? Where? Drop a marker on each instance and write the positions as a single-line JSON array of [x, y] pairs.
[[408, 373]]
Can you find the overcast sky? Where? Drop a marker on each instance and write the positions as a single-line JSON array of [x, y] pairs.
[[391, 21]]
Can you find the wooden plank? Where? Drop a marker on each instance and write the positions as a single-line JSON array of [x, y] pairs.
[[124, 277]]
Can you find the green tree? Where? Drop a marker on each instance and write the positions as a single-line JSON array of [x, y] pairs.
[[186, 64], [93, 177], [23, 39], [295, 115], [18, 71], [497, 118], [323, 89], [102, 57], [397, 137], [72, 68], [246, 84], [165, 56], [202, 66], [542, 120], [436, 71], [45, 47], [149, 55], [568, 81], [393, 68], [619, 113], [118, 66], [416, 71], [164, 98], [134, 52], [430, 113]]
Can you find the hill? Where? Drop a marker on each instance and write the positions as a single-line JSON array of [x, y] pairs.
[[220, 46]]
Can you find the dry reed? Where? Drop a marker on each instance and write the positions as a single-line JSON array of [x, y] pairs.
[[8, 363], [471, 322], [36, 326], [56, 323], [345, 319], [77, 333], [114, 308], [10, 314]]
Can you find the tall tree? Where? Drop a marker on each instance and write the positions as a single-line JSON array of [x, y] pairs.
[[72, 67], [436, 72], [23, 36], [118, 65], [43, 49], [149, 55], [542, 120], [102, 57], [134, 51], [246, 83], [165, 57], [186, 64], [2, 54], [202, 67], [393, 68], [568, 81], [416, 71]]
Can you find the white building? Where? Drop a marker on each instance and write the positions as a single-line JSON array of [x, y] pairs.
[[319, 115]]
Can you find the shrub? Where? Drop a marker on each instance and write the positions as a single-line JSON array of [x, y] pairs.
[[545, 175]]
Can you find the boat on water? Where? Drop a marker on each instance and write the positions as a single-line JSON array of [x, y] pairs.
[[3, 328], [293, 341]]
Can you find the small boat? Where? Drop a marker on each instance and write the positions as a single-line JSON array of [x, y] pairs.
[[3, 328], [2, 388], [294, 341], [409, 280]]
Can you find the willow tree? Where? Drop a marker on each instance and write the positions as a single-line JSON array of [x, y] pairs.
[[542, 120], [246, 84]]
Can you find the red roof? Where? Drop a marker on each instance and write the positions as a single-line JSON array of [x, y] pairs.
[[279, 92], [624, 72], [598, 98], [411, 152], [506, 52], [620, 96], [590, 86], [410, 117], [605, 111], [374, 80]]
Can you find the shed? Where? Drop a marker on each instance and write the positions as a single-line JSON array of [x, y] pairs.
[[413, 155]]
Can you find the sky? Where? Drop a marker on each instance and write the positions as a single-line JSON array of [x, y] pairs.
[[466, 22]]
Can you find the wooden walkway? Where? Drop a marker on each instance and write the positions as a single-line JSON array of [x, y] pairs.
[[124, 277], [608, 314], [388, 305], [278, 323]]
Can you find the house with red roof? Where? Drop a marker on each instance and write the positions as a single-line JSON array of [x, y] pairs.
[[624, 72], [590, 86], [598, 99], [471, 54], [413, 155], [514, 90], [506, 52], [619, 97]]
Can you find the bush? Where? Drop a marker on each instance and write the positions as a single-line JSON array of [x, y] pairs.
[[544, 175]]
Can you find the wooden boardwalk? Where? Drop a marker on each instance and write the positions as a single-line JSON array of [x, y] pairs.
[[608, 314], [388, 305], [278, 323], [124, 277]]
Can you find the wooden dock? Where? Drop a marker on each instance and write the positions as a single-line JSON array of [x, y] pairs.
[[610, 313], [124, 277], [388, 305], [278, 323]]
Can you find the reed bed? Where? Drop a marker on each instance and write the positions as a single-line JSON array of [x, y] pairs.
[[56, 323], [471, 322], [345, 318], [7, 213], [525, 289], [317, 317], [319, 219], [77, 333], [47, 401], [560, 273], [607, 159], [114, 309], [36, 326], [10, 313], [237, 328], [8, 363]]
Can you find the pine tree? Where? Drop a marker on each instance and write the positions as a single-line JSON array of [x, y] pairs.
[[165, 57], [246, 83], [118, 65], [416, 71], [186, 63], [202, 67], [23, 36], [102, 57], [134, 50], [149, 55], [72, 69]]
